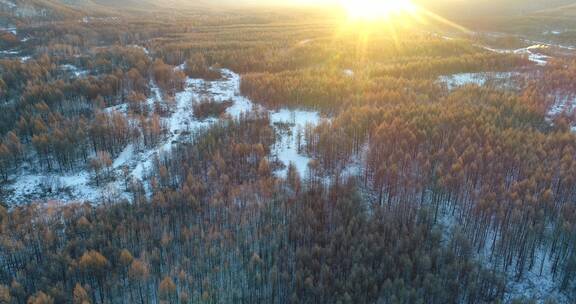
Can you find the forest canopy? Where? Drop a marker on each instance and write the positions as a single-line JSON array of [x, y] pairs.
[[274, 155]]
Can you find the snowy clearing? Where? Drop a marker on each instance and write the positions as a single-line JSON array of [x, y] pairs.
[[135, 163], [483, 78], [288, 148]]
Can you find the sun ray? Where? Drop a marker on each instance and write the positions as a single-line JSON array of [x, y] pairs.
[[444, 21], [368, 20], [392, 13]]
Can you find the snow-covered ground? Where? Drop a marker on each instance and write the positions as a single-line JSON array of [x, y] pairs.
[[27, 187], [531, 286], [13, 53], [531, 52], [10, 52], [10, 29], [90, 19], [291, 125], [74, 70], [137, 163], [7, 3], [140, 163], [480, 79], [562, 104], [535, 286]]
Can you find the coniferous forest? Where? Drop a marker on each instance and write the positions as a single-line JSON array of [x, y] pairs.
[[285, 154]]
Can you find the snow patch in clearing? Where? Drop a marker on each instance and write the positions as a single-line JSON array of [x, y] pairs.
[[480, 79], [10, 52], [70, 68], [534, 55], [181, 67], [37, 187], [531, 52], [288, 148], [124, 156], [145, 50], [10, 29], [121, 108], [562, 104], [7, 3]]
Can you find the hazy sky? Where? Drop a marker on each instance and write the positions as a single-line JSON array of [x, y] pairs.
[[456, 6], [516, 4]]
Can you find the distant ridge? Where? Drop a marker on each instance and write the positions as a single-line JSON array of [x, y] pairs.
[[476, 8], [568, 10], [62, 9]]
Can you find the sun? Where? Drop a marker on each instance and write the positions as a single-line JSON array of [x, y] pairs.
[[370, 10]]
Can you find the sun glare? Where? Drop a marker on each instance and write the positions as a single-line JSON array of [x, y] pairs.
[[377, 9]]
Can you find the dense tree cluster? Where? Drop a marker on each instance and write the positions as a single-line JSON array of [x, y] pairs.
[[220, 228], [480, 157], [332, 89], [206, 108]]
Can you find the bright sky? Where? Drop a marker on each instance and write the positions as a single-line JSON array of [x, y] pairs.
[[316, 2], [521, 4], [446, 7]]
